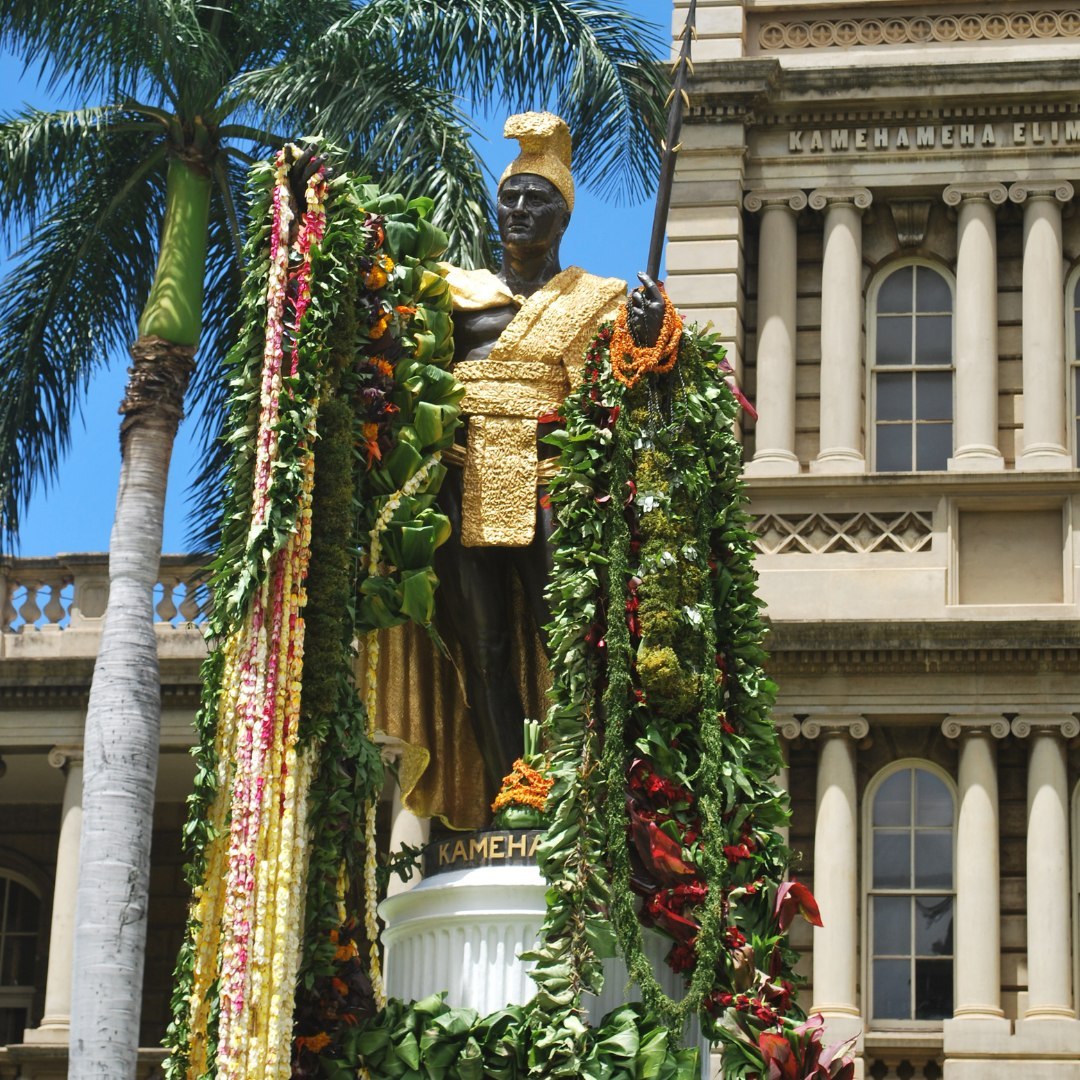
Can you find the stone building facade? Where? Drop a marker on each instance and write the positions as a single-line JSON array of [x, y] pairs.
[[875, 208]]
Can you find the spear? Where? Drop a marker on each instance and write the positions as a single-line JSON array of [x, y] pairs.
[[679, 100]]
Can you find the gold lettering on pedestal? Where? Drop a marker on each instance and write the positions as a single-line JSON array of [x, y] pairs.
[[495, 846], [515, 845], [478, 847], [489, 848]]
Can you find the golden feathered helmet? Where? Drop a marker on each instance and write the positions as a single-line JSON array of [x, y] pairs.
[[545, 150]]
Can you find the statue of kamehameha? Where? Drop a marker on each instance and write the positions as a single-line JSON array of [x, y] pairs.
[[519, 338]]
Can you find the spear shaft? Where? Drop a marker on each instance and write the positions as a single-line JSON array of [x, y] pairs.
[[679, 99]]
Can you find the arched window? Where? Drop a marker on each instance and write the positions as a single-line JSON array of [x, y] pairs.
[[911, 896], [912, 370], [20, 918]]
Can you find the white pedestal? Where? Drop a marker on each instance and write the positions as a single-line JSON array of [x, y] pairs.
[[463, 931]]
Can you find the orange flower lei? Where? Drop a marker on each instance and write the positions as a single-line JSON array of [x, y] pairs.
[[629, 361], [525, 786]]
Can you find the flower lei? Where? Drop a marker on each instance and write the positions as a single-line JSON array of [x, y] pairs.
[[338, 335]]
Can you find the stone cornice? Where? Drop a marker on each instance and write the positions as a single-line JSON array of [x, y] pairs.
[[856, 727], [767, 93], [995, 724], [792, 199], [1024, 647]]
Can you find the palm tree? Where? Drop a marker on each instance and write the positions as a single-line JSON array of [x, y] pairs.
[[129, 215]]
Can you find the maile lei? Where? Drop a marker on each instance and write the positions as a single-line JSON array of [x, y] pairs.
[[662, 747], [340, 403]]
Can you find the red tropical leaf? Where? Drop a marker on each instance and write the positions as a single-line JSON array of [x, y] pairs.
[[659, 852], [794, 898]]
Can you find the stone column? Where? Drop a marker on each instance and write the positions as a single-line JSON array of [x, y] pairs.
[[1049, 888], [836, 871], [774, 454], [788, 728], [841, 331], [1044, 325], [975, 321], [978, 886], [56, 1020]]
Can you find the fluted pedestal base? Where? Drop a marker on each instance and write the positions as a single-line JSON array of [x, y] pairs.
[[463, 932]]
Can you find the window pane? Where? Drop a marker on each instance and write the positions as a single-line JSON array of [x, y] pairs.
[[17, 963], [894, 339], [933, 989], [892, 989], [23, 909], [13, 1021], [933, 803], [892, 803], [933, 395], [1076, 335], [934, 445], [931, 291], [894, 448], [893, 396], [892, 860], [892, 926], [933, 925], [933, 860], [895, 293], [933, 339]]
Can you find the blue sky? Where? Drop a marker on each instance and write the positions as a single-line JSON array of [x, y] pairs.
[[75, 513]]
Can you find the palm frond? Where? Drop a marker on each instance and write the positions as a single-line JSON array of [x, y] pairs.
[[593, 64], [40, 153], [393, 126], [80, 279]]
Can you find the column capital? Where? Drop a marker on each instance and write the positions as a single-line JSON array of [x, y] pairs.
[[993, 193], [856, 727], [1060, 190], [765, 199], [953, 727], [60, 757], [859, 197], [787, 727], [1064, 724]]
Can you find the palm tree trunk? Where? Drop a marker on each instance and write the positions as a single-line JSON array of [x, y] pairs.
[[123, 718]]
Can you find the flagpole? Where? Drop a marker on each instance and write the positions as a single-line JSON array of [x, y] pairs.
[[679, 100]]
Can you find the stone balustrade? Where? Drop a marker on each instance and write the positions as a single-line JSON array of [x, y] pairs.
[[71, 592]]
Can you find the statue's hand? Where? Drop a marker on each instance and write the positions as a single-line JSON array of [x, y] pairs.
[[645, 312], [302, 170]]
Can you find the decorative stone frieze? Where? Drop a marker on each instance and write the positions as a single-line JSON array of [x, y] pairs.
[[826, 534], [846, 33]]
